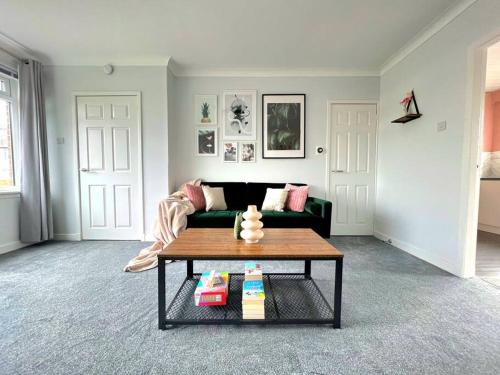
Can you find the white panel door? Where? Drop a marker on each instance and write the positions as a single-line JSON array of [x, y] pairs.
[[352, 167], [110, 176]]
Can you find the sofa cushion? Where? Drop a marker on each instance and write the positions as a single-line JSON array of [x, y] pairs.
[[256, 192], [297, 197], [214, 198], [234, 193], [290, 219], [196, 196], [271, 219], [212, 219], [275, 199]]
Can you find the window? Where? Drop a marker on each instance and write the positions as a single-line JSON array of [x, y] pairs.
[[8, 134]]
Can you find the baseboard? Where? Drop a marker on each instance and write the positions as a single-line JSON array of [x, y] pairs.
[[149, 238], [488, 228], [420, 253], [11, 246], [67, 236]]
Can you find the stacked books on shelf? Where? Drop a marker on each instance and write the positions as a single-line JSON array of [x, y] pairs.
[[212, 289], [253, 292]]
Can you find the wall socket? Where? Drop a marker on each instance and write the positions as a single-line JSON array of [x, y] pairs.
[[441, 126]]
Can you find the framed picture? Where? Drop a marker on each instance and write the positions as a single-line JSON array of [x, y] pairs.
[[239, 115], [283, 126], [205, 109], [230, 152], [206, 141], [248, 152]]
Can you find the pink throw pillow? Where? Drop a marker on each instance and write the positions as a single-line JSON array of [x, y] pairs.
[[297, 196], [196, 196]]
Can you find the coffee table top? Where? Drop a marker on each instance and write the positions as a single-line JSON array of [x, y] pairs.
[[278, 243]]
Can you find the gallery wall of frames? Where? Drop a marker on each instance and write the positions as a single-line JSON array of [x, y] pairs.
[[255, 129], [227, 127]]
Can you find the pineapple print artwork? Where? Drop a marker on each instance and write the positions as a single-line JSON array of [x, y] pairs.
[[205, 109], [205, 113]]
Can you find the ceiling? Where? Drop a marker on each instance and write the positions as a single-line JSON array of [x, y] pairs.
[[338, 35], [493, 68]]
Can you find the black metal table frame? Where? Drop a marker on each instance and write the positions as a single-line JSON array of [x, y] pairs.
[[163, 322]]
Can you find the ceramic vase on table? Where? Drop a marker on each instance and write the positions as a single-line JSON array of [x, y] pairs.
[[252, 225]]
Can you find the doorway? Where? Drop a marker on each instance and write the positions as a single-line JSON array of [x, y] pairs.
[[351, 162], [488, 235], [110, 166]]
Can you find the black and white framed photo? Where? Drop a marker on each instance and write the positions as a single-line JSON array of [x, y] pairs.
[[230, 152], [283, 126], [239, 111], [248, 152], [205, 109], [206, 141]]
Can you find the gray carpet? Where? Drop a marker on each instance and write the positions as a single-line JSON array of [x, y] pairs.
[[67, 308]]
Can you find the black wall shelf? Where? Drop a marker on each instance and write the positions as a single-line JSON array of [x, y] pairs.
[[409, 116]]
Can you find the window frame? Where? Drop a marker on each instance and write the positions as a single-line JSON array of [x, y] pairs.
[[13, 98]]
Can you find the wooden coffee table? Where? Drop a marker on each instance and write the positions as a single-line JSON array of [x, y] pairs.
[[291, 298]]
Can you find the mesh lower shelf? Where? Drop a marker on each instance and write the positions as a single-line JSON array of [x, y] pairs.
[[290, 298]]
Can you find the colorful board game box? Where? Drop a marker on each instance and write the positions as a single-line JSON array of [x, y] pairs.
[[206, 295]]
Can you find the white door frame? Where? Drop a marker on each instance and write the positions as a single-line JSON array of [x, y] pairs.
[[471, 151], [328, 140], [76, 154]]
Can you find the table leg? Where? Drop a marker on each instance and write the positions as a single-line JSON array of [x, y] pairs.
[[161, 294], [337, 302], [189, 269], [307, 269]]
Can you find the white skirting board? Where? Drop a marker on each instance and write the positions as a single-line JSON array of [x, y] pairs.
[[67, 236], [78, 237], [488, 228], [420, 253], [11, 246]]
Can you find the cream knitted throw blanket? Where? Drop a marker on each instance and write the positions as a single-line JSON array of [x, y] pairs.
[[171, 220]]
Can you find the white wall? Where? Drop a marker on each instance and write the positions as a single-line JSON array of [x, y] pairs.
[[9, 223], [310, 170], [61, 81], [420, 170], [171, 98]]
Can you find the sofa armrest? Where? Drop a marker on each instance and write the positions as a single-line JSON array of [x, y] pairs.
[[313, 208], [322, 208]]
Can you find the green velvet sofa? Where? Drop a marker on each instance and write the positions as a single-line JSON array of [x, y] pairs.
[[317, 213]]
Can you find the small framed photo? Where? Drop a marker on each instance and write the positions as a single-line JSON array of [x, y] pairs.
[[248, 152], [206, 141], [239, 115], [283, 126], [230, 152], [205, 109]]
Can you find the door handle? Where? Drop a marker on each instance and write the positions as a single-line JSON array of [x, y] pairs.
[[338, 171], [84, 170]]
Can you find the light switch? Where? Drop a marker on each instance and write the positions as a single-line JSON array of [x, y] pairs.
[[441, 126]]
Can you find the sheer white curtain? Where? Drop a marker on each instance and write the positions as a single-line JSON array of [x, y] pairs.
[[36, 209]]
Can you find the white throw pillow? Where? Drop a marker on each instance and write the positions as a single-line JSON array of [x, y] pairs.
[[275, 199], [214, 196]]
